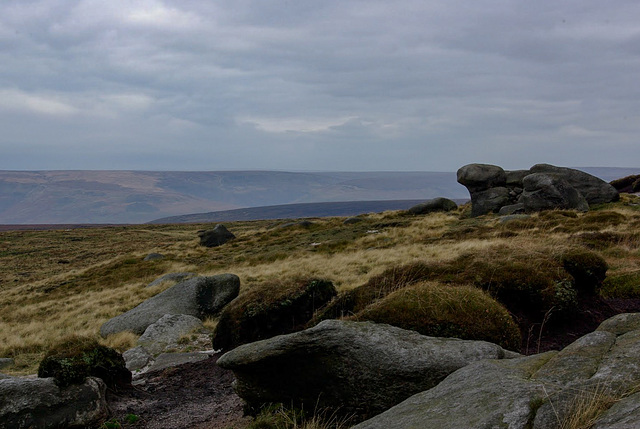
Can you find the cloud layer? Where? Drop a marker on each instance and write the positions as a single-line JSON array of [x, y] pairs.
[[331, 85]]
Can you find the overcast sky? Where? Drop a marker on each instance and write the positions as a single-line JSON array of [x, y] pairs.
[[318, 85]]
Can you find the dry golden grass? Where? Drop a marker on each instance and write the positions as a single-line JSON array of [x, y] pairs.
[[57, 282]]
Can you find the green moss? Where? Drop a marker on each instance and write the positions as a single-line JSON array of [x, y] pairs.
[[75, 358], [626, 285], [587, 268], [271, 309], [446, 311]]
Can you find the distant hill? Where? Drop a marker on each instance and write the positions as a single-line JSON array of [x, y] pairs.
[[108, 197], [295, 211]]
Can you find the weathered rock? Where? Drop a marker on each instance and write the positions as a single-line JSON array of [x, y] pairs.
[[172, 277], [301, 223], [40, 403], [434, 205], [153, 257], [623, 414], [549, 191], [198, 297], [136, 358], [479, 177], [621, 323], [489, 200], [271, 309], [485, 394], [511, 209], [514, 177], [535, 392], [593, 189], [168, 360], [216, 236], [166, 331], [353, 367], [4, 376]]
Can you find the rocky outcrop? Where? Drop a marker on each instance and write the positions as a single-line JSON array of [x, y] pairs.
[[216, 236], [354, 367], [548, 191], [538, 392], [198, 297], [40, 403], [542, 187], [432, 206], [167, 331]]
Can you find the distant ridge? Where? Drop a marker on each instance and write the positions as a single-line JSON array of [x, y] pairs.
[[294, 211]]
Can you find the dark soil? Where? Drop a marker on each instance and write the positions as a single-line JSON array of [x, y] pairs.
[[197, 395]]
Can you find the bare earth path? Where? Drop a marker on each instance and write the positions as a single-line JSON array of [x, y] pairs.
[[197, 395]]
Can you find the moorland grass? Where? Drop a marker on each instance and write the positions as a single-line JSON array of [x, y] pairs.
[[58, 282]]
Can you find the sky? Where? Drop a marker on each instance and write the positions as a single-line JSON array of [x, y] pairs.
[[348, 85]]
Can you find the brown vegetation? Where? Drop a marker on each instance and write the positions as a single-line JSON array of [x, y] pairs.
[[58, 282]]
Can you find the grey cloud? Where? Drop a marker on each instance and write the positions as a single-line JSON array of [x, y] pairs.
[[310, 85]]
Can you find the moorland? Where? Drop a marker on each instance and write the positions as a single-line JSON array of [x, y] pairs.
[[55, 283]]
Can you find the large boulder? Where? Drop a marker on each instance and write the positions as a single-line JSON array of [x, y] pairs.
[[479, 177], [536, 392], [353, 367], [199, 297], [271, 309], [592, 188], [550, 191], [40, 403], [434, 205], [167, 331], [216, 236]]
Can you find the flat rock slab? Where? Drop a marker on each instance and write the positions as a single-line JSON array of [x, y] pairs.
[[168, 360], [198, 297], [355, 367], [534, 392], [39, 403]]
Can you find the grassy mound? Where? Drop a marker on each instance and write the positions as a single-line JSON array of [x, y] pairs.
[[270, 309], [76, 358], [446, 311]]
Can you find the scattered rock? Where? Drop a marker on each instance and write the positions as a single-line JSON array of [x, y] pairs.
[[270, 309], [198, 297], [136, 358], [350, 367], [166, 331], [216, 236], [154, 257], [433, 205], [629, 184], [172, 277], [5, 362], [511, 209], [40, 403]]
